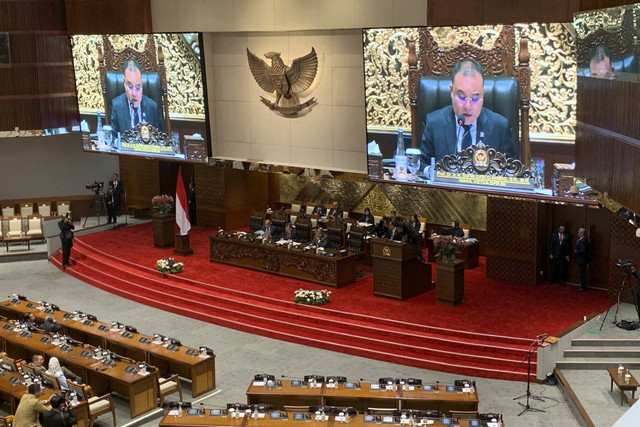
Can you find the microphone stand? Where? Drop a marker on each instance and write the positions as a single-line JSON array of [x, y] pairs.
[[532, 347]]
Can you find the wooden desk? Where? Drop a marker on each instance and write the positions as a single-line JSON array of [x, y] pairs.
[[201, 371], [209, 420], [470, 253], [364, 397], [336, 271], [13, 393], [141, 389], [618, 380], [22, 239]]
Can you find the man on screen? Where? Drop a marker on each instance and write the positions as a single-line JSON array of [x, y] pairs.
[[454, 128], [133, 107], [600, 63]]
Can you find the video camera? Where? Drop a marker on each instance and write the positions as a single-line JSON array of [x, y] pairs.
[[95, 187], [625, 266]]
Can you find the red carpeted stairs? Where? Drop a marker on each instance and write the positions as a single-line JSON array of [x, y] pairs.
[[385, 330]]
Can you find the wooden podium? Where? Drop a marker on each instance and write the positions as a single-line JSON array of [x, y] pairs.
[[397, 271], [450, 287]]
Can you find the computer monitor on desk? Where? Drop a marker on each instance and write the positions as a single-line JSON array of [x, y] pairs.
[[445, 230]]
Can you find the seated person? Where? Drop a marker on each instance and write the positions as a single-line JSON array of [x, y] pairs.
[[415, 222], [288, 233], [269, 230], [56, 370], [58, 415], [320, 240], [37, 363], [133, 107], [367, 217], [319, 210], [456, 230], [30, 406], [335, 211], [444, 134], [394, 233], [381, 229], [29, 319], [600, 63], [50, 325]]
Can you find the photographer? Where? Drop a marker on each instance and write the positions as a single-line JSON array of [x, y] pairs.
[[61, 415], [66, 238]]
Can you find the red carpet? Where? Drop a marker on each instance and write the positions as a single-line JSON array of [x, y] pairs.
[[486, 336]]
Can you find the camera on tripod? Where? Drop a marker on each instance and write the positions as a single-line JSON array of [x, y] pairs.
[[95, 187], [625, 266]]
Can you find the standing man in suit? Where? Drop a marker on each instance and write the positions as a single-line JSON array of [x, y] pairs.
[[117, 194], [443, 134], [335, 211], [111, 211], [133, 107], [581, 258], [66, 238], [559, 255]]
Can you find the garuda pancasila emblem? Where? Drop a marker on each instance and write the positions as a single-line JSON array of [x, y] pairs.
[[285, 81]]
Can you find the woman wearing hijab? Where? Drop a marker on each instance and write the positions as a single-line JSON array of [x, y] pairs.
[[56, 370], [456, 231]]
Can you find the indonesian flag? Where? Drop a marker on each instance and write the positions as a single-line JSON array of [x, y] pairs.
[[182, 208]]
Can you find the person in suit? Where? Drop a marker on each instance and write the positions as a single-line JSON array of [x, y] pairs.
[[456, 230], [66, 238], [335, 211], [29, 407], [382, 228], [37, 363], [319, 210], [111, 212], [443, 134], [268, 229], [394, 233], [415, 223], [288, 233], [367, 218], [59, 415], [29, 319], [581, 258], [412, 233], [50, 325], [320, 240], [559, 255], [116, 183], [133, 107]]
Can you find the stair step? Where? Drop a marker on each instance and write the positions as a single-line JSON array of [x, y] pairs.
[[597, 363], [603, 352], [599, 342]]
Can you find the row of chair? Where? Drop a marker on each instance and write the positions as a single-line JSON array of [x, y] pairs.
[[44, 209], [15, 226]]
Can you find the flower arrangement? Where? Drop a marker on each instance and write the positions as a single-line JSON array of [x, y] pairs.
[[169, 265], [447, 247], [162, 204], [303, 296]]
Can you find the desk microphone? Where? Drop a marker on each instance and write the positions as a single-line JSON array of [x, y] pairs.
[[131, 102], [369, 380], [542, 336], [461, 119]]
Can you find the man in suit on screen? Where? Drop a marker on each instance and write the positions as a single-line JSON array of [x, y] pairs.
[[133, 107], [559, 251], [454, 128]]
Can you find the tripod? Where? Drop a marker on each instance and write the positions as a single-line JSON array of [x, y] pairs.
[[625, 275], [97, 205], [532, 347]]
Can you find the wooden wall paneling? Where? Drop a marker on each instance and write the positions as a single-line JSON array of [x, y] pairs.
[[244, 190], [273, 189], [210, 196], [108, 16], [465, 12], [512, 239], [140, 178], [598, 224]]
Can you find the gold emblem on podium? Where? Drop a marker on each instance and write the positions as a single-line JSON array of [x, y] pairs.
[[386, 251]]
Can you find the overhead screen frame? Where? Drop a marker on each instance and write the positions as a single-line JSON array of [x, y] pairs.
[[182, 124]]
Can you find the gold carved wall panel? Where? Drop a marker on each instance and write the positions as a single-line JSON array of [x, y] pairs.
[[553, 82], [184, 74]]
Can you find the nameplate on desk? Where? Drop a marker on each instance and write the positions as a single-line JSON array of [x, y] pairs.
[[277, 416], [258, 383], [218, 413], [30, 305], [388, 387], [453, 388], [127, 334], [172, 347], [14, 381], [301, 416], [388, 419], [103, 328], [298, 383], [86, 354], [66, 348], [191, 352], [131, 370], [368, 418], [7, 327], [350, 384], [87, 323], [195, 411], [374, 387], [144, 340], [45, 340], [25, 334], [430, 388], [68, 315], [49, 311]]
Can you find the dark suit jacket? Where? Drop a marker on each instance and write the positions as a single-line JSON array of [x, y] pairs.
[[582, 251], [289, 236], [272, 230], [322, 243], [319, 210], [439, 137], [395, 234], [121, 120], [51, 327], [55, 418], [369, 219], [337, 213], [117, 191], [557, 249]]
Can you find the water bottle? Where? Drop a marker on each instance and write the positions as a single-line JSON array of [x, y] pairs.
[[400, 157]]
